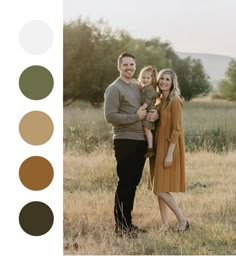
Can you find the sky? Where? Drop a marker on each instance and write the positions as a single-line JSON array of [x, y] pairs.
[[195, 26]]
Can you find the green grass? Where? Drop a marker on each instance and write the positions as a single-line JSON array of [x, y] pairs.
[[208, 126]]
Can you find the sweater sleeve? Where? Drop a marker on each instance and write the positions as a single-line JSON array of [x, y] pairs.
[[176, 116], [112, 101]]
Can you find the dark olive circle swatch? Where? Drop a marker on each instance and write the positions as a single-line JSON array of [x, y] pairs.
[[36, 218], [36, 173], [36, 82]]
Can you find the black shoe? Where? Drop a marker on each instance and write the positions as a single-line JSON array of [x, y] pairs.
[[125, 232], [136, 229]]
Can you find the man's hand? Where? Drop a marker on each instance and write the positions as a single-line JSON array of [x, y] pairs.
[[141, 113], [152, 116], [144, 106]]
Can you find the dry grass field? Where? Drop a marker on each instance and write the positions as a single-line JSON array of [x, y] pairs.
[[90, 181]]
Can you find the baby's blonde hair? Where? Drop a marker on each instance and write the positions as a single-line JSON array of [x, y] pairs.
[[153, 72]]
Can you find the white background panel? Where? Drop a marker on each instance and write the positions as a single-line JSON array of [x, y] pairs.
[[13, 106]]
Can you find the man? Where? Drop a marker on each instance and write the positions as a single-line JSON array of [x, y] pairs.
[[122, 109]]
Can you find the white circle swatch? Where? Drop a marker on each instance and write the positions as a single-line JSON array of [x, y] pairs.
[[36, 37]]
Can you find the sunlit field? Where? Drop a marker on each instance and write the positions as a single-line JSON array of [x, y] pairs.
[[209, 202]]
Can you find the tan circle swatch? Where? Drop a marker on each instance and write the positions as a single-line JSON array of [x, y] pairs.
[[36, 128], [36, 173]]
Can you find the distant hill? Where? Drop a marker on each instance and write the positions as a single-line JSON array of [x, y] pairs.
[[214, 65]]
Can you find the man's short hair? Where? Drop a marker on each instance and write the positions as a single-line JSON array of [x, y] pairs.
[[123, 55]]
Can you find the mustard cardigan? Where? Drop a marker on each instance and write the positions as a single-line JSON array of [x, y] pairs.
[[169, 130]]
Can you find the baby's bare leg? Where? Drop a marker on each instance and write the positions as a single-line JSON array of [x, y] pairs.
[[149, 137]]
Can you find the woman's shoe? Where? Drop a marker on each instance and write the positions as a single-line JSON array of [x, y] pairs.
[[183, 228], [164, 228]]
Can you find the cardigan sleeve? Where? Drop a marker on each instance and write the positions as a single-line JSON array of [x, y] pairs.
[[176, 115]]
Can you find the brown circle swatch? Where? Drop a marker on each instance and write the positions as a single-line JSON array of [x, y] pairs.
[[36, 173], [36, 218], [36, 128]]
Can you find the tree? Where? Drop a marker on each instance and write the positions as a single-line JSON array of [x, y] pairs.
[[227, 86], [77, 51], [90, 61], [192, 78]]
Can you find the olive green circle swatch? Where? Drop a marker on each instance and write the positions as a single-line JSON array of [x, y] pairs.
[[36, 218], [36, 82], [36, 128], [36, 173]]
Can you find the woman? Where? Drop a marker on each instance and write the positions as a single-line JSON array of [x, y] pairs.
[[167, 168]]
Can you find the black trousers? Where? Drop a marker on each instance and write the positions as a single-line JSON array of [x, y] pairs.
[[130, 162]]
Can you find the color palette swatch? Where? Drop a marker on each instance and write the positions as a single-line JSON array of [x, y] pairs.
[[36, 82], [31, 174], [36, 127], [36, 173], [41, 37], [36, 218]]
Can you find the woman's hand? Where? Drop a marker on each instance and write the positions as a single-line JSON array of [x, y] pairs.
[[152, 116], [169, 156], [168, 160]]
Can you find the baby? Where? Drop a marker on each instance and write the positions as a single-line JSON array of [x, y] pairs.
[[149, 93]]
